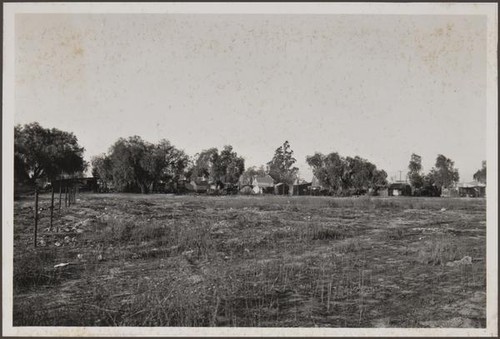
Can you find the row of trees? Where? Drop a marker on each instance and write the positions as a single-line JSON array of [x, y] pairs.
[[443, 175], [135, 165], [343, 175]]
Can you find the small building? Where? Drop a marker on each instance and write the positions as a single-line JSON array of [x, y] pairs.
[[282, 189], [198, 185], [301, 187], [316, 188], [262, 184], [399, 189], [84, 184], [472, 189], [450, 192]]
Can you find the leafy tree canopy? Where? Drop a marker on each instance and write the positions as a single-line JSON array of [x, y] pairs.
[[46, 153], [480, 175], [137, 164], [281, 167], [415, 169], [444, 173], [221, 168], [339, 174]]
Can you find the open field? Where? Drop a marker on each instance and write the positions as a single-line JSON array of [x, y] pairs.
[[161, 260]]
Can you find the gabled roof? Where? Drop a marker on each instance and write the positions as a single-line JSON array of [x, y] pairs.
[[263, 181]]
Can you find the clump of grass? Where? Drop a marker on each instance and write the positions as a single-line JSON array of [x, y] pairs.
[[34, 267], [396, 233], [439, 252], [349, 246], [324, 232]]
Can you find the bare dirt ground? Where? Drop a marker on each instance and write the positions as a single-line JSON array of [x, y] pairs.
[[162, 260]]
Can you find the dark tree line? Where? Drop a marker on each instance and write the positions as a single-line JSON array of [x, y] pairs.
[[135, 165]]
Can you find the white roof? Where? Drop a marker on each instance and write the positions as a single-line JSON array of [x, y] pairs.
[[471, 184]]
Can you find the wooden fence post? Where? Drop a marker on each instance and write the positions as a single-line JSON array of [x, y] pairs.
[[36, 215], [52, 208], [66, 195], [60, 195], [69, 196]]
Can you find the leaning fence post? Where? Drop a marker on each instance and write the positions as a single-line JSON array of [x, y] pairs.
[[36, 214], [52, 208]]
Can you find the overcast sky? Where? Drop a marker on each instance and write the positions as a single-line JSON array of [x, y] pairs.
[[380, 87]]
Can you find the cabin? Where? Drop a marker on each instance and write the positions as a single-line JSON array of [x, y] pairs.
[[399, 189], [472, 189], [263, 184]]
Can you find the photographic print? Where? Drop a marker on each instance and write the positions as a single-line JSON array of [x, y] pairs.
[[250, 169]]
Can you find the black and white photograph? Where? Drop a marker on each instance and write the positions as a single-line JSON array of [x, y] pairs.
[[249, 169]]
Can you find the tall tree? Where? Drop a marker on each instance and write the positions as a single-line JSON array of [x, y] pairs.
[[220, 168], [414, 171], [230, 166], [127, 157], [281, 167], [102, 168], [480, 175], [46, 153], [329, 170], [205, 164], [444, 173]]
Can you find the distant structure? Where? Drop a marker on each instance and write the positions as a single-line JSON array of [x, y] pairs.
[[281, 189], [399, 189], [84, 184], [262, 184], [473, 189], [301, 187], [199, 185], [315, 187]]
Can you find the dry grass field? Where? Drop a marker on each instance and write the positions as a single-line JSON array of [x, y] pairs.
[[161, 260]]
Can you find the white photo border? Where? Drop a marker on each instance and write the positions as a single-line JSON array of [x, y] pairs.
[[489, 10]]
